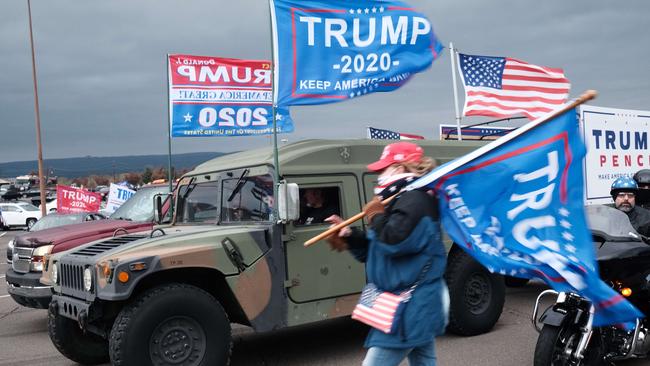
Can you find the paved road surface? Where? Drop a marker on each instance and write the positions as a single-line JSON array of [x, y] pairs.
[[24, 340]]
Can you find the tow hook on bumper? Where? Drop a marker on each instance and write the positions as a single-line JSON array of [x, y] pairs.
[[82, 318]]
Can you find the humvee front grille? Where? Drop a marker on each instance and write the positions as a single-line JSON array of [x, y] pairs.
[[72, 276], [107, 245]]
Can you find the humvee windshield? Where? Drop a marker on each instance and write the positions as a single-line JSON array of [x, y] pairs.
[[237, 196], [198, 202], [247, 199]]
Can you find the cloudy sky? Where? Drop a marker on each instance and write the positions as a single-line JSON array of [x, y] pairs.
[[102, 78]]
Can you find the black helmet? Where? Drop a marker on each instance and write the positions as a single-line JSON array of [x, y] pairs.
[[642, 176]]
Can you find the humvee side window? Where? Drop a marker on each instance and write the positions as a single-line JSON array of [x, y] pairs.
[[247, 198], [198, 203], [317, 204]]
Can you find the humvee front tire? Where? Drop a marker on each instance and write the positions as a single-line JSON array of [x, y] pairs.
[[173, 324], [72, 342], [476, 295]]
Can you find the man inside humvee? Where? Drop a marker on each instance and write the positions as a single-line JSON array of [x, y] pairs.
[[317, 204]]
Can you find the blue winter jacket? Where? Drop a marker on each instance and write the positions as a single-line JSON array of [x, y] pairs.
[[396, 266]]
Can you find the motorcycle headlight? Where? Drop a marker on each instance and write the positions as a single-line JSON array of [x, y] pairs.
[[38, 257], [55, 273], [88, 279]]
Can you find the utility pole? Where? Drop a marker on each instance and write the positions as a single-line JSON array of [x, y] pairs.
[[41, 177]]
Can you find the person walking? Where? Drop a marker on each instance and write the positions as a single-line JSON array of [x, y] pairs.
[[402, 247]]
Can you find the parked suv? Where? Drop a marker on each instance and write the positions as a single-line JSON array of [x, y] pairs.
[[9, 192], [234, 253], [26, 252], [19, 214]]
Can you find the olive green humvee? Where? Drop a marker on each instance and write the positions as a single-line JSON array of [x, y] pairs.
[[233, 255]]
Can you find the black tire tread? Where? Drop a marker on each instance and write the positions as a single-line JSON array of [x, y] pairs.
[[458, 263], [545, 345], [124, 318], [78, 349]]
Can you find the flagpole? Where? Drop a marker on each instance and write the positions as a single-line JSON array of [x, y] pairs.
[[274, 61], [452, 52], [41, 176], [169, 141], [455, 164]]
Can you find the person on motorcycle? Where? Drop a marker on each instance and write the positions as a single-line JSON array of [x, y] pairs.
[[642, 178], [624, 191]]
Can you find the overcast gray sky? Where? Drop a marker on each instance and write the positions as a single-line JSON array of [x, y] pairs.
[[102, 77]]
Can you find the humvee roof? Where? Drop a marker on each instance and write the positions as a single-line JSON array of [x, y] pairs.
[[333, 156]]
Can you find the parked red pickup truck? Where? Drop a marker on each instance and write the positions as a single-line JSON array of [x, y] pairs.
[[27, 251]]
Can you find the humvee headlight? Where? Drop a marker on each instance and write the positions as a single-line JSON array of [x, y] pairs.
[[55, 273], [88, 279]]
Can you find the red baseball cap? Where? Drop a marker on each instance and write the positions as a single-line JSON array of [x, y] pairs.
[[399, 152]]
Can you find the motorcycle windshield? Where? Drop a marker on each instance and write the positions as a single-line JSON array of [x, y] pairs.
[[615, 238], [611, 224]]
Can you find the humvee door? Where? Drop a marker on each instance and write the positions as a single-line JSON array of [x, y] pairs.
[[317, 272]]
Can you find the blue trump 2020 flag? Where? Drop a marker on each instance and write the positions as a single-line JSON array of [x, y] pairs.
[[518, 209], [331, 50]]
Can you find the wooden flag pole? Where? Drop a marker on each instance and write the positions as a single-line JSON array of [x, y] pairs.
[[586, 96], [345, 223]]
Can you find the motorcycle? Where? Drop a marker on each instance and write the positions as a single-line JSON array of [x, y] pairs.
[[566, 332]]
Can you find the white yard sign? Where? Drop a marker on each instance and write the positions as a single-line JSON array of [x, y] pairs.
[[117, 196], [617, 145]]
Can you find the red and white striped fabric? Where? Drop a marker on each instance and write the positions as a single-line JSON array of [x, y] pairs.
[[377, 309], [504, 87]]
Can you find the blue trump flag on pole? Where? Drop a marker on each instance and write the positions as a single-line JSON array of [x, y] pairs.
[[516, 205], [327, 51]]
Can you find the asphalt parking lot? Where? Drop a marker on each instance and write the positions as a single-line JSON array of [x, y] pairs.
[[24, 339]]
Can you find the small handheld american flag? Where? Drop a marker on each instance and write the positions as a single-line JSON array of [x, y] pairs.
[[378, 309]]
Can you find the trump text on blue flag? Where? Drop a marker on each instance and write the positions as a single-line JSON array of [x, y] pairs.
[[328, 51], [212, 96]]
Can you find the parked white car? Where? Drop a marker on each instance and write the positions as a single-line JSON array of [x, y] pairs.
[[19, 214], [50, 206]]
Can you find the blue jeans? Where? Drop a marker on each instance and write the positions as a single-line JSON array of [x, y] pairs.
[[419, 356]]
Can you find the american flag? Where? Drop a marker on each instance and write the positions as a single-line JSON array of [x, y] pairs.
[[377, 308], [376, 133], [503, 87]]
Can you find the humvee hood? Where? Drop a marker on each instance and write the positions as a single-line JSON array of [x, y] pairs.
[[180, 239]]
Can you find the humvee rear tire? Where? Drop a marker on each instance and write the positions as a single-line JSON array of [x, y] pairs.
[[173, 324], [515, 281], [70, 340], [476, 295]]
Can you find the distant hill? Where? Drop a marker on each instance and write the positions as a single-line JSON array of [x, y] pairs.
[[109, 165]]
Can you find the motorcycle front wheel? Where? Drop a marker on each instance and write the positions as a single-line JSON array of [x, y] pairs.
[[555, 346]]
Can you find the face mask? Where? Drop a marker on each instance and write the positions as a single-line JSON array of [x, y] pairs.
[[385, 181]]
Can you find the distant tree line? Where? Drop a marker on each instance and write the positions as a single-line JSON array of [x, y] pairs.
[[148, 175]]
